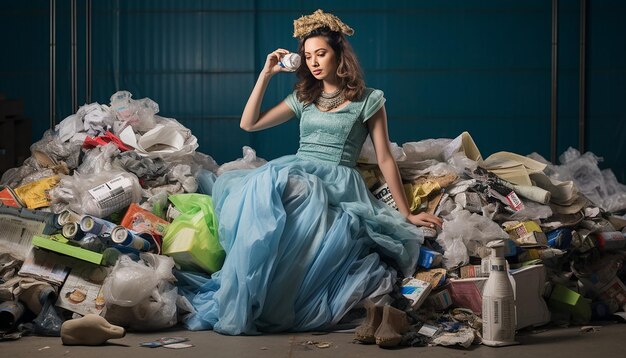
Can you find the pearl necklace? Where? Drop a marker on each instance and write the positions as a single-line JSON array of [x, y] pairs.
[[329, 101]]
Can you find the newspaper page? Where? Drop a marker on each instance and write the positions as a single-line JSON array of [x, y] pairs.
[[82, 291], [16, 234]]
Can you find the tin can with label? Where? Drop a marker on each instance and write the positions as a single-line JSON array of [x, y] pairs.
[[72, 231], [95, 226], [122, 236], [610, 240]]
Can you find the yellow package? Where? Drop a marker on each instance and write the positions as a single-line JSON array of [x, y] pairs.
[[35, 194]]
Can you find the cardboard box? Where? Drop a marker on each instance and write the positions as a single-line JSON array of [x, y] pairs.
[[440, 300], [471, 271], [527, 234], [416, 291]]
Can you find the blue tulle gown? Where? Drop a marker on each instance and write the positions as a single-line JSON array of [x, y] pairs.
[[305, 241]]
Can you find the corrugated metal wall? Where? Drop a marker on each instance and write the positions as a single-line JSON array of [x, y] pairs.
[[445, 66]]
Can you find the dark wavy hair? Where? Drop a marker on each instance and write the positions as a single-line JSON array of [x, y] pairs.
[[308, 88]]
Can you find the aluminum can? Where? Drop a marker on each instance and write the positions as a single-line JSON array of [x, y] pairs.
[[290, 61], [123, 236]]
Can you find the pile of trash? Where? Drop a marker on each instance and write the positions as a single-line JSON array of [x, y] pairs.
[[560, 230], [113, 208]]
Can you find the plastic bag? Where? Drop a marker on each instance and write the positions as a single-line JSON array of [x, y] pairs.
[[142, 295], [137, 113], [129, 283], [191, 239], [464, 234], [57, 150], [532, 211], [48, 322], [249, 161], [98, 159], [97, 195], [368, 153]]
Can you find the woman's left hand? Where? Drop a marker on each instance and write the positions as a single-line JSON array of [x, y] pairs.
[[425, 219]]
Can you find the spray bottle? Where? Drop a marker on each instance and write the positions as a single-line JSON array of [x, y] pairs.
[[498, 301]]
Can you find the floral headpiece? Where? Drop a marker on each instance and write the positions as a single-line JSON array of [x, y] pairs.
[[306, 24]]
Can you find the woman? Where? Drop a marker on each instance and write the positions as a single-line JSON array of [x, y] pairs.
[[305, 241]]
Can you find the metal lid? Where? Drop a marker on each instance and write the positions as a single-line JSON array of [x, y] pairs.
[[119, 234]]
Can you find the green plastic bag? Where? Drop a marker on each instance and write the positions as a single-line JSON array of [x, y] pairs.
[[191, 239]]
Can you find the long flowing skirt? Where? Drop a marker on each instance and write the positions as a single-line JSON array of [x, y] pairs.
[[305, 242]]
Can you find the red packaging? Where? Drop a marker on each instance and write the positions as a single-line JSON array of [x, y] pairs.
[[9, 198]]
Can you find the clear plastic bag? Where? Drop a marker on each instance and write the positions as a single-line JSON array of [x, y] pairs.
[[142, 295], [98, 159], [98, 195], [249, 161], [464, 233]]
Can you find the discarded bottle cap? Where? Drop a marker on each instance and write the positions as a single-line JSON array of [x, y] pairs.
[[290, 61]]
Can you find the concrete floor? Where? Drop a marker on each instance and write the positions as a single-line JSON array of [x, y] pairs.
[[609, 341]]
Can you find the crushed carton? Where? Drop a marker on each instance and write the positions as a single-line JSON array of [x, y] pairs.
[[416, 291], [527, 234]]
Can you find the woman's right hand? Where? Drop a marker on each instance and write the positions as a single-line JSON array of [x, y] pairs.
[[271, 63]]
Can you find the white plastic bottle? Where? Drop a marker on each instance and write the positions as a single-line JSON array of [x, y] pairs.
[[498, 301]]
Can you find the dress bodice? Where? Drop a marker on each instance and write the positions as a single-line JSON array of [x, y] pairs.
[[337, 136]]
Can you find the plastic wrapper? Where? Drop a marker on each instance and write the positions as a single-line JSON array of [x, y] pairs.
[[151, 171], [426, 149], [56, 150], [142, 295], [249, 161], [98, 159], [157, 203], [615, 199], [97, 118], [463, 234], [368, 153], [532, 211], [12, 177], [599, 186], [168, 140], [182, 174], [68, 127], [204, 162], [48, 322], [206, 180], [137, 113], [97, 195]]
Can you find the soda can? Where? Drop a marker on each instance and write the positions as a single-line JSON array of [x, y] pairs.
[[290, 61], [610, 240], [95, 226], [123, 236], [72, 231]]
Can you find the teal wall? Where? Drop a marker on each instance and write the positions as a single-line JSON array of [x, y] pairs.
[[446, 66]]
